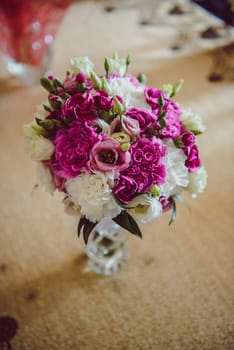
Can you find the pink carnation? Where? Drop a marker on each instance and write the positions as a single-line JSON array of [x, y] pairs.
[[79, 106], [103, 102], [146, 168], [72, 148], [126, 189]]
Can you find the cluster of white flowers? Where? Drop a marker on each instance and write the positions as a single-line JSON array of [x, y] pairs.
[[94, 195]]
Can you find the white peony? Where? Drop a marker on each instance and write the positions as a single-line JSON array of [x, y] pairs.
[[93, 194], [81, 65], [38, 147], [197, 181], [145, 209], [192, 122], [45, 178], [177, 172], [133, 96]]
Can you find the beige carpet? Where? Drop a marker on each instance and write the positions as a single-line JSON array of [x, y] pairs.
[[177, 291]]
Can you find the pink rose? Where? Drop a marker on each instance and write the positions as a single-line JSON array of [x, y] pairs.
[[79, 106], [193, 161], [72, 148], [107, 156], [128, 125], [144, 118]]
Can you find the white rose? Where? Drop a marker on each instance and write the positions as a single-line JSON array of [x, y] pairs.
[[197, 181], [93, 194], [192, 122], [81, 64], [45, 178], [177, 172], [133, 96], [146, 209]]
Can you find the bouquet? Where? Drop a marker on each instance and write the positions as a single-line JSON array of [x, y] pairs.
[[115, 147]]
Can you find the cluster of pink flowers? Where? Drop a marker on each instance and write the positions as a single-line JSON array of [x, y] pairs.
[[117, 126]]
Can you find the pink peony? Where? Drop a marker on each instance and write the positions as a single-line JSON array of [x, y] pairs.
[[72, 148], [107, 156]]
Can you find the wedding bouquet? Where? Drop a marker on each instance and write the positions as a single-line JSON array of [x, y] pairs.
[[114, 146]]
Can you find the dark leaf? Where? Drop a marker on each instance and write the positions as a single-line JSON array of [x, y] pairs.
[[127, 222], [85, 226], [80, 225], [88, 228], [173, 212]]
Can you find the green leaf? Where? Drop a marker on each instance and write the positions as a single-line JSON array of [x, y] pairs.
[[173, 212], [127, 222]]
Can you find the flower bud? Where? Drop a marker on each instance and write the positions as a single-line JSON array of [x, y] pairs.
[[121, 137], [118, 107], [97, 83], [125, 147], [48, 84], [155, 191]]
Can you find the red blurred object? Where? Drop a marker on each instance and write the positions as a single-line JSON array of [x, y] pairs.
[[28, 27]]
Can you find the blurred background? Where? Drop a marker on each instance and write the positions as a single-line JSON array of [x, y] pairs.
[[177, 292]]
